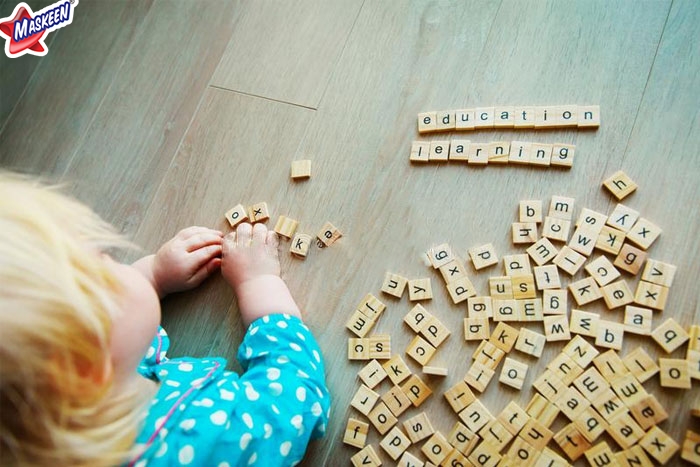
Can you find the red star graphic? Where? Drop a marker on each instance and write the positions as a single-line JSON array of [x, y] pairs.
[[32, 44]]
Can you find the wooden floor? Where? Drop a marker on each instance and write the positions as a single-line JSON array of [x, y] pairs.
[[165, 113]]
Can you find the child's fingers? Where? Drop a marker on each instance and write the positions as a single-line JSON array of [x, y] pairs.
[[205, 271], [259, 234], [244, 234], [201, 256], [188, 232], [201, 240], [272, 240]]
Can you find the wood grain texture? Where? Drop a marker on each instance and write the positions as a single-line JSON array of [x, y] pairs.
[[295, 47]]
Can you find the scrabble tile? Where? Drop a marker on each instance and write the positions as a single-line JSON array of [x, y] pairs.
[[644, 233], [630, 259], [436, 448], [536, 434], [460, 289], [556, 328], [602, 270], [659, 445], [610, 335], [572, 403], [500, 287], [610, 240], [513, 373], [488, 355], [693, 358], [622, 218], [620, 185], [550, 386], [453, 270], [610, 365], [328, 235], [545, 117], [416, 390], [583, 240], [648, 412], [638, 320], [236, 215], [419, 289], [691, 447], [478, 376], [569, 260], [674, 373], [585, 291], [366, 457], [591, 219], [475, 416], [517, 265], [382, 418], [524, 117], [640, 364], [478, 154], [567, 116], [563, 155], [504, 117], [409, 460], [459, 150], [420, 152], [530, 342], [495, 434], [520, 152], [484, 117], [625, 431], [499, 152], [541, 409], [541, 154], [571, 441], [380, 346], [561, 207], [358, 349], [658, 273], [258, 212], [459, 396], [359, 324], [550, 458], [670, 335], [420, 350], [591, 424], [465, 119], [371, 306], [301, 169], [513, 418], [300, 245], [591, 384], [542, 251], [530, 211], [286, 226], [364, 400], [524, 286], [580, 351], [483, 256], [417, 317], [554, 302], [396, 369], [435, 332], [372, 374], [395, 443], [480, 307], [427, 122], [476, 329], [617, 294], [600, 454], [584, 323], [609, 406], [564, 368], [505, 310], [521, 450], [394, 284], [504, 337], [435, 370], [588, 116], [445, 120], [651, 295], [633, 457], [356, 433], [485, 455], [440, 255], [628, 389], [529, 309]]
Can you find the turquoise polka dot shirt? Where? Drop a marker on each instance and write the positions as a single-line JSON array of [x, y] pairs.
[[204, 415]]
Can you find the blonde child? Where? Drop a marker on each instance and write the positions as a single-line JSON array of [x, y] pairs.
[[75, 387]]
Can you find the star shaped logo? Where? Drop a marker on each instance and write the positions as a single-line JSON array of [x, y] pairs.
[[25, 31]]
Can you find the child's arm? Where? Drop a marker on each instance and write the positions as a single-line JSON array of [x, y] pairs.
[[183, 262]]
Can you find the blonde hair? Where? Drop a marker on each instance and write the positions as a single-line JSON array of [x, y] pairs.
[[58, 401]]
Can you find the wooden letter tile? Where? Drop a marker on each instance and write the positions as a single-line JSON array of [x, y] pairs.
[[563, 155], [524, 286], [396, 369], [460, 289], [476, 329], [517, 265], [364, 400], [371, 306], [480, 307], [418, 427], [546, 117], [584, 323], [530, 211], [436, 448], [643, 233], [554, 302], [416, 390], [479, 376], [524, 117], [542, 251], [440, 255], [478, 154], [519, 152], [590, 219], [366, 457], [691, 448], [547, 277], [499, 152], [484, 117], [419, 289], [359, 324], [611, 366], [427, 122], [356, 433], [659, 273], [258, 212], [630, 259], [541, 154], [394, 284], [524, 233], [591, 424], [610, 240], [476, 416], [556, 229], [236, 215], [435, 371], [585, 291], [465, 119], [301, 169], [417, 318], [486, 455], [659, 445], [459, 396], [542, 410], [496, 434], [674, 373], [420, 350], [445, 120], [530, 342], [435, 332], [488, 355], [564, 368], [640, 364], [513, 418], [536, 434], [602, 270], [513, 373], [409, 460], [380, 346], [504, 117], [625, 431], [372, 374], [638, 320], [600, 455], [610, 335], [622, 218], [561, 207], [501, 288], [651, 295], [580, 351], [453, 270], [459, 150], [395, 443], [300, 245], [620, 185], [571, 441], [556, 328], [549, 385], [483, 256], [583, 240], [420, 152], [633, 457], [358, 349], [617, 294], [328, 235], [670, 335], [569, 260], [588, 116], [504, 337], [382, 418], [648, 412]]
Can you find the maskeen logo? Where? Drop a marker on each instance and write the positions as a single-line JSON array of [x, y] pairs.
[[25, 31]]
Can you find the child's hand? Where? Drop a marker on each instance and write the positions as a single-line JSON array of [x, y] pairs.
[[249, 252], [183, 262]]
